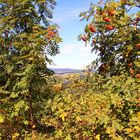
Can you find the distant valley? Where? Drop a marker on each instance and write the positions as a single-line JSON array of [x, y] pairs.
[[65, 70]]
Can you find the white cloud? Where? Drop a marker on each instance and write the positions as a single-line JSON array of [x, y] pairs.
[[73, 56], [72, 48], [67, 14], [68, 49]]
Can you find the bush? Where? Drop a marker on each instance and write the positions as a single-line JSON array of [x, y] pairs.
[[107, 110]]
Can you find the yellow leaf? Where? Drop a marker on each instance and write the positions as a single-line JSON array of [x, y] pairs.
[[63, 115], [1, 118], [137, 128], [15, 135], [78, 118], [33, 126], [138, 116], [137, 63], [31, 58], [97, 137], [128, 130]]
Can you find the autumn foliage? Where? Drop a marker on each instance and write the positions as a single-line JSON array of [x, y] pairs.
[[99, 105], [102, 108]]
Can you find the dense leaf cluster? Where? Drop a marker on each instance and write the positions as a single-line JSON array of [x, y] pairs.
[[114, 33], [27, 37], [106, 109]]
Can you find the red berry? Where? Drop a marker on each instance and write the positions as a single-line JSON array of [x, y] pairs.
[[130, 64], [138, 46], [138, 76], [131, 71], [84, 38], [111, 13], [91, 28], [107, 19], [50, 33], [109, 27]]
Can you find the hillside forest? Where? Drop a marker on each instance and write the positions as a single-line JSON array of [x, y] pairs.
[[100, 103]]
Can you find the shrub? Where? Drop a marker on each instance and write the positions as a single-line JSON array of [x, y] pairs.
[[109, 109]]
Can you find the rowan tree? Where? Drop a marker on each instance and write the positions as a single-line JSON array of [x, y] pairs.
[[27, 37], [114, 34]]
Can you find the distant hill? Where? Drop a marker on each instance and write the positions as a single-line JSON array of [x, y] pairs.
[[65, 70]]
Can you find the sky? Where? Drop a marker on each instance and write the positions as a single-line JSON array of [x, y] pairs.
[[73, 53]]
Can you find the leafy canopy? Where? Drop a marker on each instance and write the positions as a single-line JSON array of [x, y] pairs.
[[27, 37], [114, 33]]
